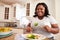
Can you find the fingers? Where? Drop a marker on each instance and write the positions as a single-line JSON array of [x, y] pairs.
[[28, 29]]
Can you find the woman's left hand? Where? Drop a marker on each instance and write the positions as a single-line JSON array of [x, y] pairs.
[[54, 30]]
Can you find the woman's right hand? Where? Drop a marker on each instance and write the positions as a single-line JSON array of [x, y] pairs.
[[29, 29]]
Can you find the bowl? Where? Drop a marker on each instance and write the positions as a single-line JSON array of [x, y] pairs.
[[5, 33], [5, 30]]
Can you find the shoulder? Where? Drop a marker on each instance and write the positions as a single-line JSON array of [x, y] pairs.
[[50, 17], [52, 20]]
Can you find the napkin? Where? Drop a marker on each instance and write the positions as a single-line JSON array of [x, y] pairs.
[[19, 37]]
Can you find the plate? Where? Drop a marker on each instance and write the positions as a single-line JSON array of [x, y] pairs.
[[40, 37]]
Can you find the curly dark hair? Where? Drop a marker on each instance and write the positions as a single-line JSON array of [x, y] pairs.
[[46, 10]]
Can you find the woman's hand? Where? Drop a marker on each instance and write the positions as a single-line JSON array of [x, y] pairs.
[[54, 30], [28, 29]]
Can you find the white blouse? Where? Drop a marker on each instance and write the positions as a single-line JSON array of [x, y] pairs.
[[41, 23]]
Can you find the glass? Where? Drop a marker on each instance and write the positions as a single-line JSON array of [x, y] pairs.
[[24, 29]]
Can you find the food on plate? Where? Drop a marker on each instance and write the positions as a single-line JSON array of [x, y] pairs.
[[32, 36], [5, 29]]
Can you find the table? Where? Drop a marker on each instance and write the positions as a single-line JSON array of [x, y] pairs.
[[9, 38], [15, 31]]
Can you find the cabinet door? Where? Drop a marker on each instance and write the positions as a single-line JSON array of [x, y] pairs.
[[28, 9], [6, 15]]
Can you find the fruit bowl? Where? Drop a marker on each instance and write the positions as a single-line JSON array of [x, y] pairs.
[[5, 31]]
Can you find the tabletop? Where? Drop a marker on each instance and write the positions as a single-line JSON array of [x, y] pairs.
[[15, 31]]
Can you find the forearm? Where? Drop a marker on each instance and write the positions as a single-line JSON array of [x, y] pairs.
[[51, 30], [54, 30], [47, 28]]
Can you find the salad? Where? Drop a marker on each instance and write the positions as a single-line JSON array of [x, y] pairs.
[[32, 36]]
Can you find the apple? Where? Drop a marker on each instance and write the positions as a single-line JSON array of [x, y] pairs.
[[36, 23]]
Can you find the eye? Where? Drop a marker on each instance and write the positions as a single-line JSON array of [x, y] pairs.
[[40, 9]]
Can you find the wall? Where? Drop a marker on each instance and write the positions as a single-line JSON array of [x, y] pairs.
[[2, 11], [57, 5], [20, 11]]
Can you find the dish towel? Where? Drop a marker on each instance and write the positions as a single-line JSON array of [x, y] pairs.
[[19, 37]]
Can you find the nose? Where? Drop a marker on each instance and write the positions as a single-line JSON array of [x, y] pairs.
[[39, 10]]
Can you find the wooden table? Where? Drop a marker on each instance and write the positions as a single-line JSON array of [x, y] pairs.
[[9, 37]]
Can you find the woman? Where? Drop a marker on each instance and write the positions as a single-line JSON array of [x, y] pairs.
[[43, 23]]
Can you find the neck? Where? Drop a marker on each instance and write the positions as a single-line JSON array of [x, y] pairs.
[[40, 17]]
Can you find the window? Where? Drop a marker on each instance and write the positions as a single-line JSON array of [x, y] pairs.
[[6, 15]]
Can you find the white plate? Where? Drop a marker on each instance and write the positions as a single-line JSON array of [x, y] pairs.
[[5, 33], [40, 38]]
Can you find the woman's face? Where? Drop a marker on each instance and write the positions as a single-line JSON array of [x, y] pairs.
[[40, 10]]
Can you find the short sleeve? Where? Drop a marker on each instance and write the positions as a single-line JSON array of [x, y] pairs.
[[24, 21], [46, 23], [52, 20]]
